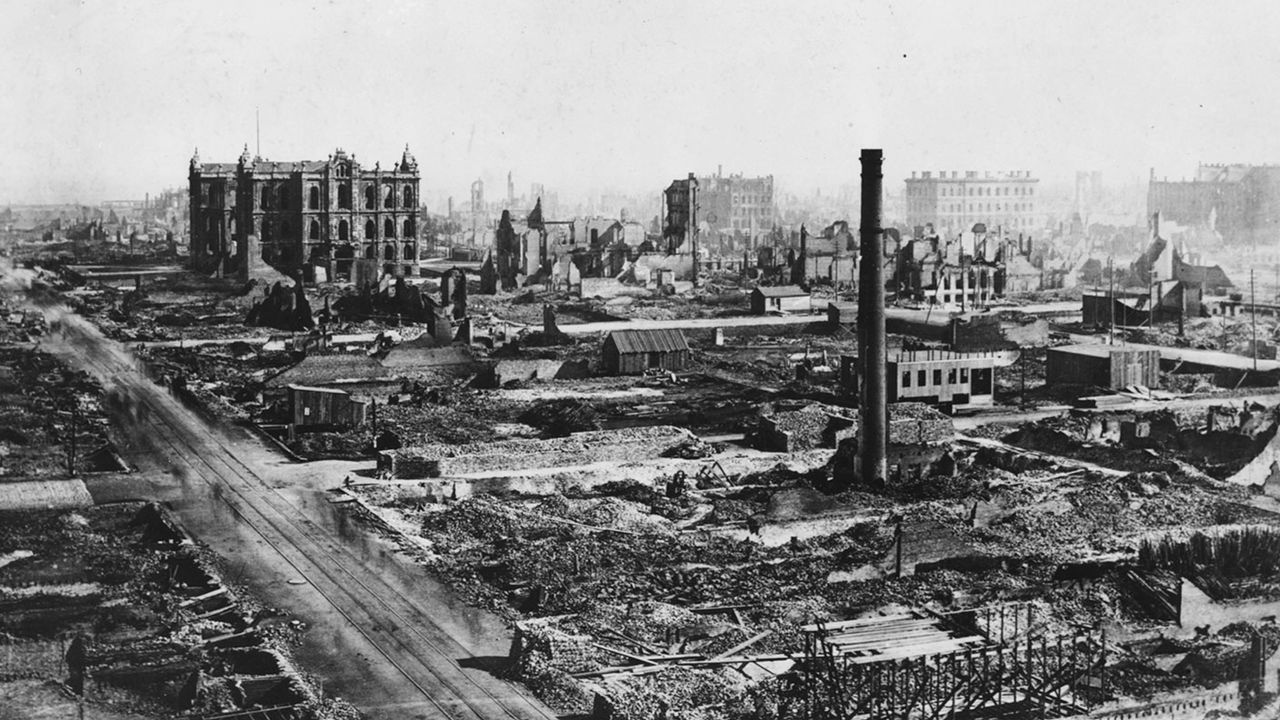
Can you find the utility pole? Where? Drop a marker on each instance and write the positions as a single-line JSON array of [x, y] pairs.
[[1253, 319], [1022, 361], [71, 448], [1111, 301]]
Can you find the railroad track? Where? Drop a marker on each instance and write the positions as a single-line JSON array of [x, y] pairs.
[[386, 618]]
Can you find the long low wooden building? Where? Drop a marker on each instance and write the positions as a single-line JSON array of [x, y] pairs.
[[1105, 366]]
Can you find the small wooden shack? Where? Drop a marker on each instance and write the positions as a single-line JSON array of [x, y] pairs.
[[325, 407], [783, 298], [632, 352]]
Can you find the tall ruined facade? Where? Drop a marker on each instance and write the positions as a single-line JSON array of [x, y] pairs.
[[314, 217], [1240, 202]]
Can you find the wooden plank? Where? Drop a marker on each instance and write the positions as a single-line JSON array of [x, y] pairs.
[[940, 648], [622, 670], [642, 645], [621, 653], [889, 627], [228, 636], [721, 608], [929, 626], [852, 645], [739, 660], [219, 611], [840, 624], [743, 645], [199, 598]]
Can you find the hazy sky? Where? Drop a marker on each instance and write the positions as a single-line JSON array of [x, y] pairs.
[[106, 100]]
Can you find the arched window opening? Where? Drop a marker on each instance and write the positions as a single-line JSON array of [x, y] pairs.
[[389, 228], [314, 232], [266, 197], [344, 197], [409, 228], [388, 197], [409, 254], [313, 198], [266, 231], [370, 252], [370, 230], [408, 196], [344, 231], [369, 197], [389, 252]]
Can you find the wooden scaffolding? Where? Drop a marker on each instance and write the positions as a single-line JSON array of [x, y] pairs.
[[993, 662]]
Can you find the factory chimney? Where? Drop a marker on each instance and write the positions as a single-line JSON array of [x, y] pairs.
[[872, 351]]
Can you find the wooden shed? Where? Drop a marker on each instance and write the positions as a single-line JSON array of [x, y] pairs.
[[325, 407], [632, 352], [1106, 366], [783, 298]]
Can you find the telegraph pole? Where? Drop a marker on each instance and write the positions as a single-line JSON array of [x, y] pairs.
[[1111, 301], [1253, 319], [71, 448]]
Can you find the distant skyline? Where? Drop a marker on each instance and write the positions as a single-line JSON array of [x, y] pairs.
[[107, 100]]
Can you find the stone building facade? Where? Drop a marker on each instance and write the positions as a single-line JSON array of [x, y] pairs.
[[955, 203], [736, 203], [314, 217]]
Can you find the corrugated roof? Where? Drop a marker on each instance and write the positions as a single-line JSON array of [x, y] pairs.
[[782, 291], [656, 340]]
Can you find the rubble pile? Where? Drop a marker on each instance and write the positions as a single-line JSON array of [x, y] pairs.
[[577, 449], [1218, 442], [42, 403], [814, 425], [116, 602]]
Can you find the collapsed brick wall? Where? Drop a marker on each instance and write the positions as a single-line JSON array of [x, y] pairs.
[[625, 445], [909, 424], [538, 647], [810, 427]]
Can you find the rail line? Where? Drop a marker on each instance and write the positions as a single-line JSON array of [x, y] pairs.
[[381, 632]]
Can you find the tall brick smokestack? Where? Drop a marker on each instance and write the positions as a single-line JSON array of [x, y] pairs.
[[873, 431]]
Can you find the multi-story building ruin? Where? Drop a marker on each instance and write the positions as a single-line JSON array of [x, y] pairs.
[[311, 217], [954, 202], [1241, 202], [736, 203], [680, 226]]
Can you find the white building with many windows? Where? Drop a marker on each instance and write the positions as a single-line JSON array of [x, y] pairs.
[[955, 202]]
